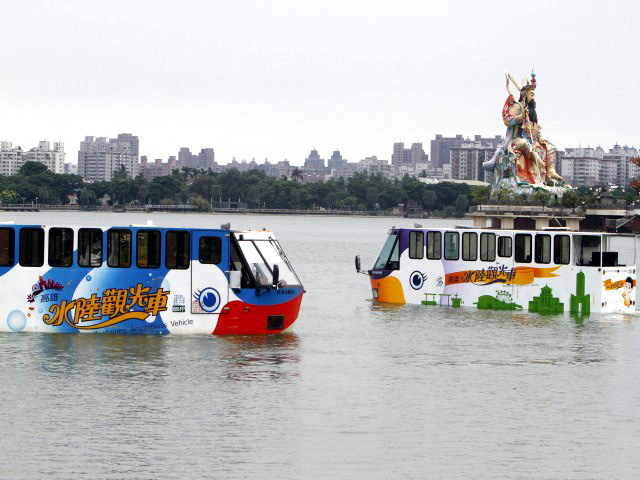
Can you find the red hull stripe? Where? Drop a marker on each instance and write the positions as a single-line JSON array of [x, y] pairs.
[[246, 319]]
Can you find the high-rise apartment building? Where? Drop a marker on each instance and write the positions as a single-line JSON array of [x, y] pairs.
[[467, 159], [132, 140], [100, 158], [204, 160], [440, 148], [408, 157], [11, 159], [157, 168], [588, 166]]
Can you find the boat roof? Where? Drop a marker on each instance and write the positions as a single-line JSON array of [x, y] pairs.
[[142, 226], [558, 230]]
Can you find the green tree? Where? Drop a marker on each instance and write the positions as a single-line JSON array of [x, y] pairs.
[[429, 199], [296, 175], [462, 203]]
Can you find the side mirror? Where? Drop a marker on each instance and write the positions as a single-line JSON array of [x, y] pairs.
[[358, 263], [276, 275]]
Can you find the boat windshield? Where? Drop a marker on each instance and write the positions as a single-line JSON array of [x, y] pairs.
[[390, 255], [261, 255]]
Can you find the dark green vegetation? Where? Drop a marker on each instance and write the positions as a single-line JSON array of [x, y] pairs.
[[34, 183]]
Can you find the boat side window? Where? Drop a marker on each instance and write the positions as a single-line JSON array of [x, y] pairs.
[[60, 247], [416, 245], [148, 248], [488, 247], [237, 264], [561, 249], [89, 247], [543, 248], [451, 246], [210, 250], [470, 246], [177, 250], [7, 247], [504, 247], [434, 245], [32, 247], [119, 248], [523, 248], [587, 250]]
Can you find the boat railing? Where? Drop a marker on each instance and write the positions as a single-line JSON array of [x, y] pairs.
[[525, 210]]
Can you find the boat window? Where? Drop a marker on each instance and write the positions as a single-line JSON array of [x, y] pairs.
[[7, 247], [89, 247], [261, 256], [543, 248], [32, 247], [148, 248], [119, 248], [389, 257], [470, 246], [618, 250], [451, 245], [504, 247], [561, 249], [210, 250], [523, 248], [60, 247], [236, 264], [177, 250], [587, 250], [416, 245], [488, 247], [434, 245]]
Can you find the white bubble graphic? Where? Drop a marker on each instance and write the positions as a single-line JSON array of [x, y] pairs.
[[16, 321]]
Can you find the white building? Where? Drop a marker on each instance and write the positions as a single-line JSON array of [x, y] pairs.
[[100, 158], [11, 159], [53, 158]]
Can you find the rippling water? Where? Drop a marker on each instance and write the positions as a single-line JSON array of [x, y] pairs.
[[356, 391]]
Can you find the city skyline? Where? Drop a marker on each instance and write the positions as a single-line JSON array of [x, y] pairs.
[[275, 84]]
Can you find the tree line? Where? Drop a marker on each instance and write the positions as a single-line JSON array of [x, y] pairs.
[[36, 184]]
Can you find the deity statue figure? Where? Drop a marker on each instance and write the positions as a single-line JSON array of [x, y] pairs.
[[525, 158]]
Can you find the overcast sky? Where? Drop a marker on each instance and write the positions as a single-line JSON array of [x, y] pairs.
[[273, 79]]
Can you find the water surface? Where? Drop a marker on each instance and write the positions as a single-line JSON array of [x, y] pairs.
[[357, 390]]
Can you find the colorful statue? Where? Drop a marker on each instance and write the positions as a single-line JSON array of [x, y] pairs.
[[526, 160]]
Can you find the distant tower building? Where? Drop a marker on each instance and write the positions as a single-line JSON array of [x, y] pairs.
[[313, 161], [100, 158], [336, 161], [440, 148], [417, 154], [408, 157], [205, 160], [400, 155]]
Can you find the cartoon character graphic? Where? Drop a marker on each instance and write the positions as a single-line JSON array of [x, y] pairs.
[[627, 294]]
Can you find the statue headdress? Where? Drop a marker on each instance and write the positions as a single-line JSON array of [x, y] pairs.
[[529, 84]]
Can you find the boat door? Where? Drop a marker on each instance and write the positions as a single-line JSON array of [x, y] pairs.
[[209, 271]]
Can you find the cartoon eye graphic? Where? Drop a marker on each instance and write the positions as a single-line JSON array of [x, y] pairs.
[[417, 279], [209, 299]]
